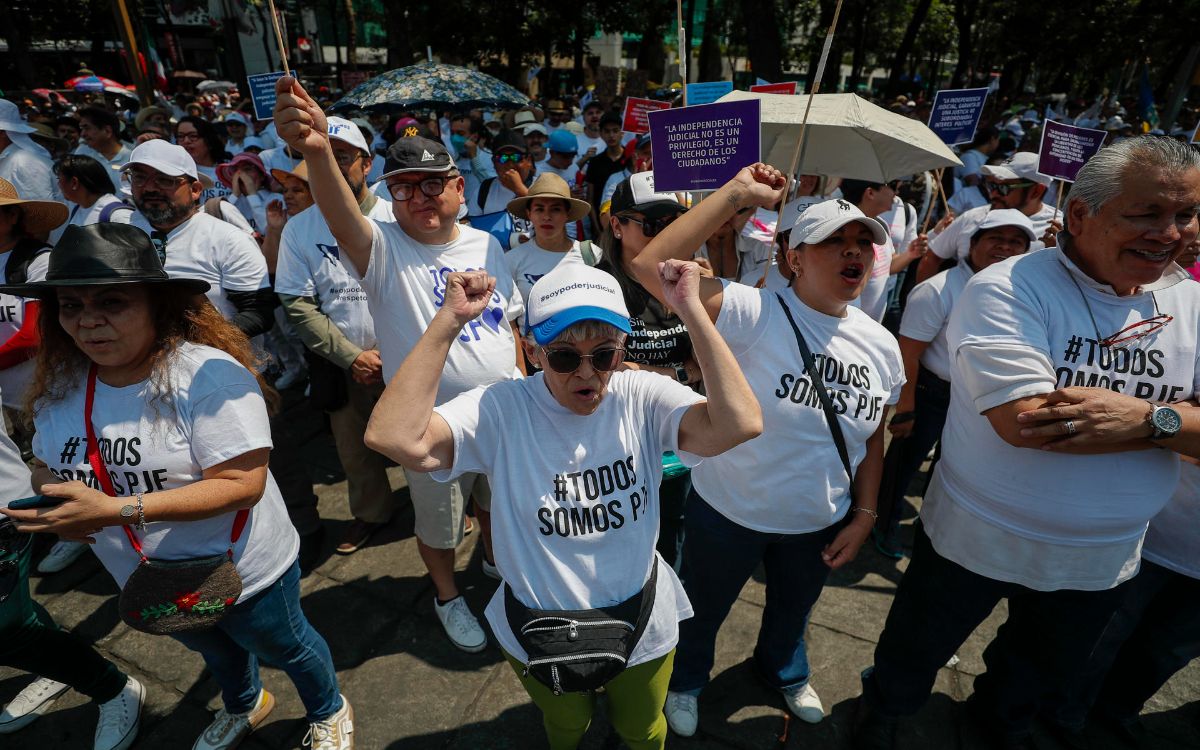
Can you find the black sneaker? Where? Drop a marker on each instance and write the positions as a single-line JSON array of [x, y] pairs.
[[873, 731], [311, 546]]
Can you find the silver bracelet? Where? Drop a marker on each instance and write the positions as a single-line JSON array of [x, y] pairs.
[[856, 509], [141, 522]]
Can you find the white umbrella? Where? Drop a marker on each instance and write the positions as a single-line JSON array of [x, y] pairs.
[[847, 136], [207, 86]]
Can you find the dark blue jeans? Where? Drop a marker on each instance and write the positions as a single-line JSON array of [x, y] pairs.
[[907, 455], [1153, 635], [719, 556], [269, 627], [1031, 663]]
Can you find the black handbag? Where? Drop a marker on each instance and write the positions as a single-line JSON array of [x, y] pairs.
[[576, 651], [327, 389]]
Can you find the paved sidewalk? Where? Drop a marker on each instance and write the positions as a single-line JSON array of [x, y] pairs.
[[412, 690]]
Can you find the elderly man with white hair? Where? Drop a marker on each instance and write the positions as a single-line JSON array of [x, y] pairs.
[[22, 162], [1075, 373]]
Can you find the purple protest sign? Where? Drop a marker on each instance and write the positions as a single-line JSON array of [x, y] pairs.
[[955, 114], [702, 148], [1066, 148]]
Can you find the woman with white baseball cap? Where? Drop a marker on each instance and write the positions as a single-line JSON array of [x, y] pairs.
[[799, 499], [573, 456]]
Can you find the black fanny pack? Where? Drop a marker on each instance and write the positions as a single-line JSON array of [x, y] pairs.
[[575, 651]]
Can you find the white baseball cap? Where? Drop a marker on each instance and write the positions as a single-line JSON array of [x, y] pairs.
[[571, 293], [531, 127], [346, 131], [818, 222], [164, 157], [1022, 165], [237, 117], [1007, 217]]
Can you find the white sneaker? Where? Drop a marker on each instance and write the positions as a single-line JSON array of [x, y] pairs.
[[61, 555], [30, 703], [490, 570], [461, 626], [335, 733], [228, 730], [120, 718], [805, 703], [683, 713]]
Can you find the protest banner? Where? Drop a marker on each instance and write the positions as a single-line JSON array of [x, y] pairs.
[[1065, 148], [633, 120], [703, 147], [788, 88], [955, 114], [707, 93], [262, 93]]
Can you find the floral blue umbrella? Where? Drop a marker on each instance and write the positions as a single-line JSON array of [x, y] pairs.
[[430, 86]]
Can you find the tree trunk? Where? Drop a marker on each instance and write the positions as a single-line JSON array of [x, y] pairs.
[[689, 19], [579, 43], [859, 58], [763, 38], [351, 36], [817, 40], [904, 51], [709, 63], [650, 52], [17, 35], [337, 41], [964, 18], [400, 52]]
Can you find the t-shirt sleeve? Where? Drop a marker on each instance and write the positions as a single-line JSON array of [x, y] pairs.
[[227, 411], [742, 319], [245, 268], [924, 315], [665, 401], [473, 425], [945, 244], [292, 275], [379, 264]]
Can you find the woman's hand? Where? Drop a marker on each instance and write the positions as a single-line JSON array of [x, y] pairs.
[[298, 119], [903, 419], [276, 216], [467, 295], [681, 285], [762, 183], [844, 547], [83, 512]]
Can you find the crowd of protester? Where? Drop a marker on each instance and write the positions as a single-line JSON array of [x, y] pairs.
[[610, 383]]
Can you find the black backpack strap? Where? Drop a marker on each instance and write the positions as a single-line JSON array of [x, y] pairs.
[[818, 384], [16, 270], [485, 189]]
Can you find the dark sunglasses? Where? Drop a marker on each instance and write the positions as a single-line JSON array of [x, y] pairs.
[[650, 227], [1003, 189], [507, 158], [568, 360], [432, 187]]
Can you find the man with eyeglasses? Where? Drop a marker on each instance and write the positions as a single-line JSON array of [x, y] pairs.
[[1076, 373], [488, 205], [328, 308], [404, 267], [1013, 184]]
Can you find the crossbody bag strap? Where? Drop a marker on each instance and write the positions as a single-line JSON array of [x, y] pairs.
[[818, 384], [101, 472], [649, 590]]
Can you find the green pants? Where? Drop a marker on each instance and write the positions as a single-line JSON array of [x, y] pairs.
[[635, 706]]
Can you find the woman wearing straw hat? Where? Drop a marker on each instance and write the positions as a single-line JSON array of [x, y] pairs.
[[177, 440], [296, 197], [246, 176], [548, 207]]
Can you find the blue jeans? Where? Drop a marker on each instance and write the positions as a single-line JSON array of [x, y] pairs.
[[269, 627], [719, 556]]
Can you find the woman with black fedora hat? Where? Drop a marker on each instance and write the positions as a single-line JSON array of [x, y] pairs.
[[152, 439]]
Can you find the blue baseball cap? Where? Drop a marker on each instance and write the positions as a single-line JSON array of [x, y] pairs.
[[563, 141]]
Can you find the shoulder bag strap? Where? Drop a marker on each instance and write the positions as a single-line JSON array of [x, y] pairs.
[[818, 384], [589, 255], [101, 471]]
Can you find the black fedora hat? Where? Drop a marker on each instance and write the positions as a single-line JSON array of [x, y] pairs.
[[99, 254]]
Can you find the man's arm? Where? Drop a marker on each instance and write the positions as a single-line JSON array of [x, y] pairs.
[[255, 311], [911, 351], [318, 332], [302, 125]]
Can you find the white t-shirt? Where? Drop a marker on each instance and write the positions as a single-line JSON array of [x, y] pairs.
[[568, 174], [530, 262], [218, 189], [972, 161], [1048, 520], [789, 479], [405, 284], [310, 265], [212, 411], [1173, 539], [586, 141], [575, 507], [873, 300], [928, 312], [31, 173], [83, 217], [16, 379], [277, 158], [955, 240], [204, 247]]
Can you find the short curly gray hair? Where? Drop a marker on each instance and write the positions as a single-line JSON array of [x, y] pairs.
[[1099, 181]]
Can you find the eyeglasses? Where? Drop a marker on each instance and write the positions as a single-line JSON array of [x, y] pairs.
[[1004, 188], [161, 181], [193, 136], [1138, 330], [568, 360], [508, 158], [432, 187], [346, 158], [650, 227]]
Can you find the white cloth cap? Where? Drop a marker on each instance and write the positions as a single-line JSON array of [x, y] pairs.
[[1007, 217], [164, 157], [571, 293], [818, 222], [347, 132], [1022, 165], [11, 120], [237, 117]]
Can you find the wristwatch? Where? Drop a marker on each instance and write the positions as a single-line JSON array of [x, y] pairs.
[[681, 374], [1165, 422]]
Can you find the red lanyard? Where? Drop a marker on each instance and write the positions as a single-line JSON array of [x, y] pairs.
[[101, 471]]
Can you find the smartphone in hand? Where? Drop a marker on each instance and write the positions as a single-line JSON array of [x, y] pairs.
[[37, 501]]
